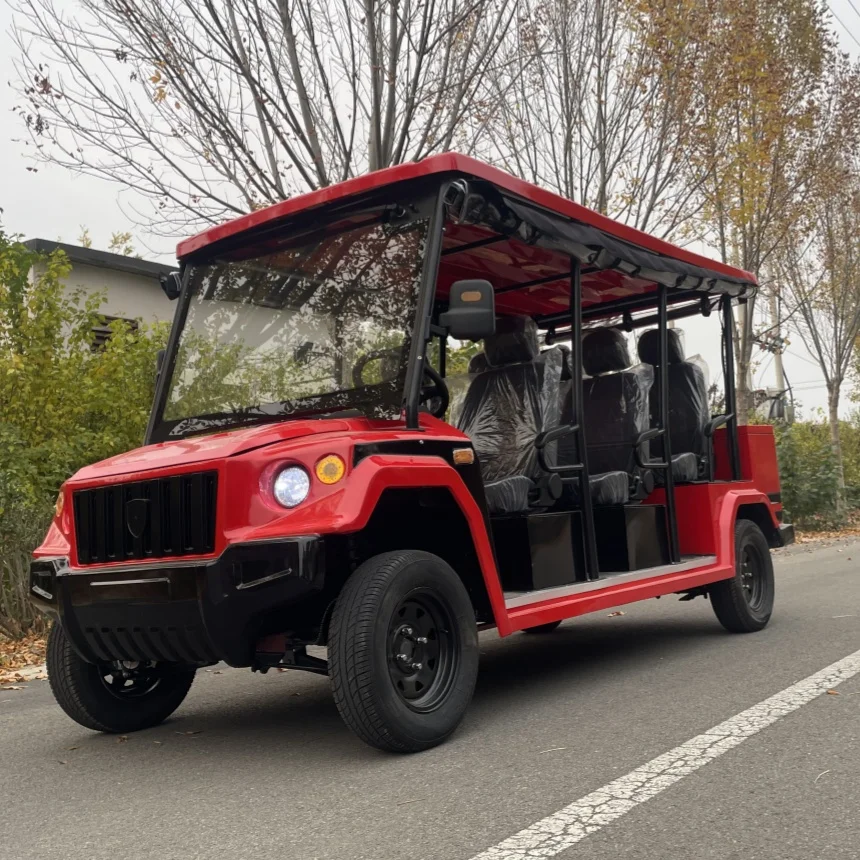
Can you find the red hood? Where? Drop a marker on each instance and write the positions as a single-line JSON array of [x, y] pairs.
[[199, 449]]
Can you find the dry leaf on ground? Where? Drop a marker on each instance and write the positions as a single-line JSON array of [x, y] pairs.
[[18, 653]]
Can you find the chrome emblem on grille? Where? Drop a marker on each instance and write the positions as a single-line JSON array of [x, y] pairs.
[[136, 514]]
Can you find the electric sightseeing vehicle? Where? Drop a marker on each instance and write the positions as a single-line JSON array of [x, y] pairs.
[[312, 475]]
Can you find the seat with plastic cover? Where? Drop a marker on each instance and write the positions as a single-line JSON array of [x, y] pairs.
[[615, 413], [688, 406], [507, 406]]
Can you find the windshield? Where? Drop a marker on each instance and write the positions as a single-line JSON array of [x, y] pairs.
[[310, 327]]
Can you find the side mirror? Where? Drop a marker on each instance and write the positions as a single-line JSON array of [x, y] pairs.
[[471, 313], [171, 284]]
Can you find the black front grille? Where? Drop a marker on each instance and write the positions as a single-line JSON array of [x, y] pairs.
[[146, 519]]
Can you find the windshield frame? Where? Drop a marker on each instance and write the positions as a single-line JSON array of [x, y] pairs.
[[424, 204]]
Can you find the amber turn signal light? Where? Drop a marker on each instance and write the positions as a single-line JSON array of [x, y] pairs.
[[330, 469], [464, 456]]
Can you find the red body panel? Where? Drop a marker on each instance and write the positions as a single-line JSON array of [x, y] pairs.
[[449, 162], [720, 521], [244, 459]]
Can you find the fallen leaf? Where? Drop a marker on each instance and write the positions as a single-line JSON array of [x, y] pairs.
[[832, 692], [122, 739], [552, 749], [71, 748], [59, 761], [13, 687], [218, 672], [159, 743], [194, 732], [18, 653], [614, 614]]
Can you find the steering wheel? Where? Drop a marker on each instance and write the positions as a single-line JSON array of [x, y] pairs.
[[437, 392], [358, 368]]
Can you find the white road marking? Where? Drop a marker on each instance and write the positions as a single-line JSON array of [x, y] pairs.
[[584, 817]]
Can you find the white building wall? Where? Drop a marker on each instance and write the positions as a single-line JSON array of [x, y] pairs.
[[127, 295]]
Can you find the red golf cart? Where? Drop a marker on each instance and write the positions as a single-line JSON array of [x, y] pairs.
[[312, 474]]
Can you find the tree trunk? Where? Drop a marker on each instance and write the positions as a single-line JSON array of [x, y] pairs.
[[836, 441]]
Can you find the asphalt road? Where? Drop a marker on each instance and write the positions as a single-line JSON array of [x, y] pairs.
[[261, 767]]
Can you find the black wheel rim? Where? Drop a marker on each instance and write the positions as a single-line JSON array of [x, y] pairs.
[[423, 652], [129, 679], [752, 578]]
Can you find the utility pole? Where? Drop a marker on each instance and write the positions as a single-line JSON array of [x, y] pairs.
[[778, 349], [776, 329]]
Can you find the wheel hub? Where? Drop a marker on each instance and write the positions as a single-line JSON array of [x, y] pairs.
[[751, 578], [128, 679], [421, 653]]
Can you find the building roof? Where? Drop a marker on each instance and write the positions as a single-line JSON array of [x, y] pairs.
[[101, 259]]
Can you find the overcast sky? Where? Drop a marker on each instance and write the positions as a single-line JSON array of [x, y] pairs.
[[55, 204]]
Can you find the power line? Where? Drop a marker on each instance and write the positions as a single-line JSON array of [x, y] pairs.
[[851, 2], [856, 41]]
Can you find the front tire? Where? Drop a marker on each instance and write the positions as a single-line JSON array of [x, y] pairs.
[[403, 651], [112, 697], [744, 603]]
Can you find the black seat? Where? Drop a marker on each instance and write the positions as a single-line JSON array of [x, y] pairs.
[[506, 407], [688, 407], [615, 413]]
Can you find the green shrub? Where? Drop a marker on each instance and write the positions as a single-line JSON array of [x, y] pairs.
[[808, 475], [62, 403]]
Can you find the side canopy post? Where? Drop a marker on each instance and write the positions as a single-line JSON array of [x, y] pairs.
[[663, 399], [729, 382], [578, 419]]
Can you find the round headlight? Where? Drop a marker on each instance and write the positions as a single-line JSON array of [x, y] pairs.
[[291, 486]]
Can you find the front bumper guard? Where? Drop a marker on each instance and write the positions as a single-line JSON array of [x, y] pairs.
[[179, 611]]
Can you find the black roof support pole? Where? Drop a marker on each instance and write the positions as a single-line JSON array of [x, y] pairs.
[[426, 293], [578, 419], [663, 397], [729, 382]]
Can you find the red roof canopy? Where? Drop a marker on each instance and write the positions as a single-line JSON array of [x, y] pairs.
[[510, 263]]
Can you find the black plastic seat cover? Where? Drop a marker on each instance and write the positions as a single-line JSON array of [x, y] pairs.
[[615, 412], [688, 405], [507, 406]]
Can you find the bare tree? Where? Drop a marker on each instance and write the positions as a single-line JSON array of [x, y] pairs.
[[584, 106], [770, 116], [820, 279], [211, 108]]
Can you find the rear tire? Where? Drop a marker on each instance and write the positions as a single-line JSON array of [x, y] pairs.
[[744, 603], [403, 651], [150, 694], [543, 628]]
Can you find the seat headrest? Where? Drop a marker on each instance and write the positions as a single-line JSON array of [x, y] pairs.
[[515, 341], [649, 346], [604, 350], [478, 363]]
